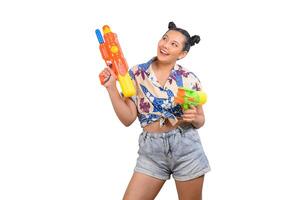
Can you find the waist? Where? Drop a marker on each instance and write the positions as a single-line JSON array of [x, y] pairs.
[[156, 128]]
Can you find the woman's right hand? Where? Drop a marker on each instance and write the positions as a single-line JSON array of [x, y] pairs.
[[107, 78]]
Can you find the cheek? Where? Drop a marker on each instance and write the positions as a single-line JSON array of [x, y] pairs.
[[176, 52], [160, 43]]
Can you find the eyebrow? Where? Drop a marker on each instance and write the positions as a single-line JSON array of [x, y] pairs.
[[165, 35], [176, 42], [173, 40]]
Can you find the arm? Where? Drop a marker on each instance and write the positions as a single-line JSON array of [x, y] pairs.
[[124, 108]]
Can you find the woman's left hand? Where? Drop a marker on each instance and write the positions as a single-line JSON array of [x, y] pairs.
[[195, 116], [190, 115]]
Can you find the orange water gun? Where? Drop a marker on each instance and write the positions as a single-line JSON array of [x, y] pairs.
[[112, 54]]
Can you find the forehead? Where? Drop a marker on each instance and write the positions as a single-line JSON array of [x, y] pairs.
[[175, 35]]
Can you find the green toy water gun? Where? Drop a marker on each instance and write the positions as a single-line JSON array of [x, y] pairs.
[[186, 97]]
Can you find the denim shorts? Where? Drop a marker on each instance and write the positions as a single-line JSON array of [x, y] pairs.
[[178, 152]]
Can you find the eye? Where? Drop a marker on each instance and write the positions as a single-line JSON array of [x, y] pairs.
[[174, 44], [164, 38]]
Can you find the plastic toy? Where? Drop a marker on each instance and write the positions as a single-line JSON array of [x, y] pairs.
[[112, 54], [186, 97]]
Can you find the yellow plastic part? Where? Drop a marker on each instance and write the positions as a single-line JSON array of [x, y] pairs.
[[126, 85], [203, 97], [106, 29], [114, 49]]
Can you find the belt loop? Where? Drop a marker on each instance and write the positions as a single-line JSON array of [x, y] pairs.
[[144, 135], [181, 130]]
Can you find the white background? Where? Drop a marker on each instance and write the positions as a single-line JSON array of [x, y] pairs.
[[60, 138]]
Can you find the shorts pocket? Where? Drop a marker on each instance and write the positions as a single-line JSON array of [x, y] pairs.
[[193, 135], [145, 145]]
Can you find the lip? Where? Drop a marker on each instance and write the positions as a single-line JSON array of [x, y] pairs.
[[164, 52]]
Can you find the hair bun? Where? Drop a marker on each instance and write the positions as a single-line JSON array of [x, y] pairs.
[[171, 25], [194, 40]]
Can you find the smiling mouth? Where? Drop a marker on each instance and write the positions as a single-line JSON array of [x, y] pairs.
[[164, 52]]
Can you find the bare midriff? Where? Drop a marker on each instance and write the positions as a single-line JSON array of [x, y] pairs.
[[155, 126]]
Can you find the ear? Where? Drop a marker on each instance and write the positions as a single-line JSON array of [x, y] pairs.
[[182, 55]]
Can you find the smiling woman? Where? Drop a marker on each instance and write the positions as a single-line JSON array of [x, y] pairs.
[[174, 45], [169, 143]]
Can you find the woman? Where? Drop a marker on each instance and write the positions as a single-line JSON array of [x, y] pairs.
[[169, 143]]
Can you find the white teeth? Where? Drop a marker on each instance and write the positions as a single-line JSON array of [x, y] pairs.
[[164, 52]]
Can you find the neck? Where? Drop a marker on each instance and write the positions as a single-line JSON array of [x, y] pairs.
[[164, 66]]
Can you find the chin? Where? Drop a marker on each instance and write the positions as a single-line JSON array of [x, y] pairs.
[[164, 59]]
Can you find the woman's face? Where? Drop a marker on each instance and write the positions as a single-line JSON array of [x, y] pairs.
[[170, 47]]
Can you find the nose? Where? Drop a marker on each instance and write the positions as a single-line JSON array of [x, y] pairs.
[[165, 45]]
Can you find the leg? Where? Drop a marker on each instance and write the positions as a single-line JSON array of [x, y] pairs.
[[143, 187], [190, 190]]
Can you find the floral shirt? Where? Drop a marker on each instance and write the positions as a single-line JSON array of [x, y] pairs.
[[155, 102]]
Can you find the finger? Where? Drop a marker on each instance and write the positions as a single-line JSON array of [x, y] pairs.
[[107, 73], [107, 79], [192, 117], [192, 108], [104, 71], [189, 111], [104, 76], [187, 119], [189, 115], [108, 70], [111, 72]]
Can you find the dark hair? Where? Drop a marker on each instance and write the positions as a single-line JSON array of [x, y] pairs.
[[190, 41]]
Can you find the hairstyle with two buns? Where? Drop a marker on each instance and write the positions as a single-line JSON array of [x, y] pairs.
[[190, 41]]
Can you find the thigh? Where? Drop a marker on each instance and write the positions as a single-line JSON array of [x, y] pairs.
[[191, 189], [143, 187]]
